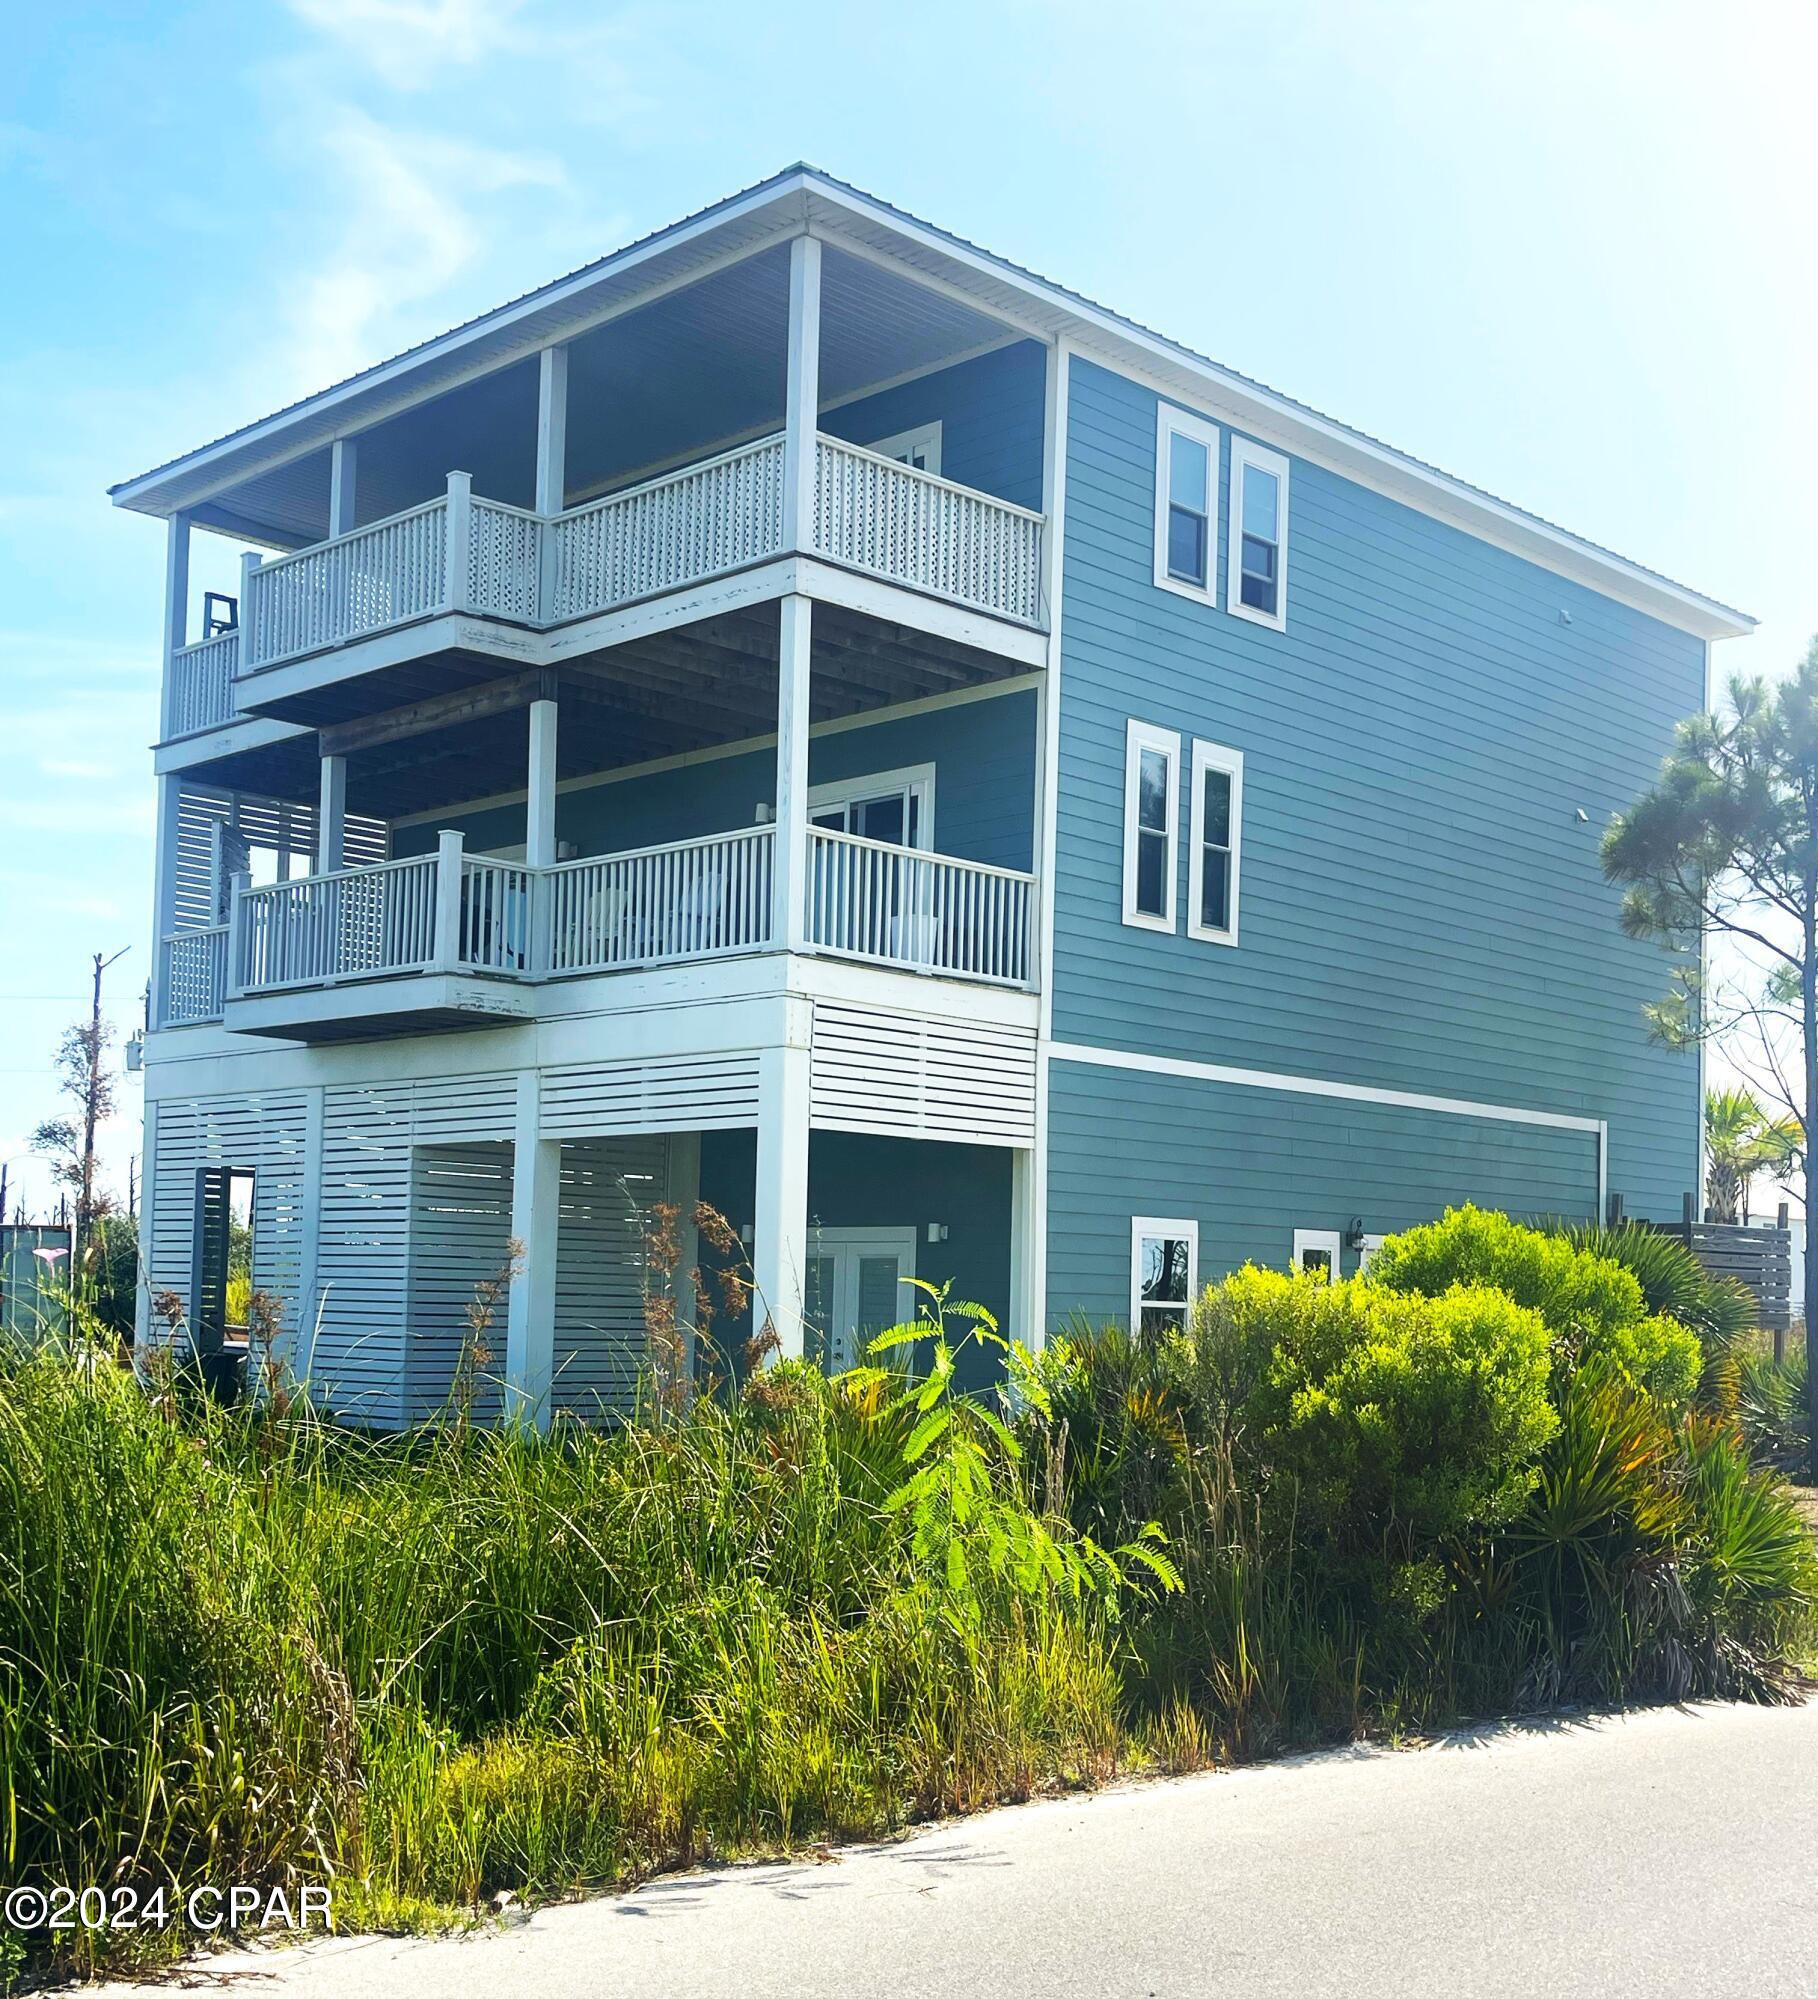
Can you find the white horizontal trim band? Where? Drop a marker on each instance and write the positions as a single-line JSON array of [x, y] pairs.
[[1312, 1086]]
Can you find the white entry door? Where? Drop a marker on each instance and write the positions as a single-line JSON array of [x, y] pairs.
[[854, 1291]]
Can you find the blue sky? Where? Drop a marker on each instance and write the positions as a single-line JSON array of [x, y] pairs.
[[1564, 251]]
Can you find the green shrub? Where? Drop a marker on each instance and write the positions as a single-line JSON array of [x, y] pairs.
[[1718, 1309], [1592, 1303], [1402, 1417]]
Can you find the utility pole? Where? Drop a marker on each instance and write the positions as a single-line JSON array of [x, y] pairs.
[[95, 1097]]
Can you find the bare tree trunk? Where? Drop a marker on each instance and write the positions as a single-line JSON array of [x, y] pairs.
[[91, 1098]]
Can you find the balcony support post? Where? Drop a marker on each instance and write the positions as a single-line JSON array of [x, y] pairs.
[[789, 927], [176, 611], [331, 816], [164, 893], [447, 953], [552, 430], [343, 473], [458, 542], [237, 885], [780, 1235], [536, 1196], [540, 792], [250, 565], [802, 402]]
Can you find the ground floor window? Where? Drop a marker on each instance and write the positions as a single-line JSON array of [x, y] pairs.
[[1164, 1271], [1317, 1249]]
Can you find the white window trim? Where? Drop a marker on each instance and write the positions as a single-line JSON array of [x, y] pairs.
[[1168, 419], [1330, 1240], [1243, 453], [1178, 1231], [1138, 737], [927, 435], [918, 778], [1367, 1249], [1213, 756]]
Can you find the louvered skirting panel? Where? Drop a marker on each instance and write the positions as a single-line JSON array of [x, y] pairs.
[[664, 1093], [916, 1077], [460, 1235], [363, 1266], [600, 1345], [260, 1134], [361, 1262], [251, 822]]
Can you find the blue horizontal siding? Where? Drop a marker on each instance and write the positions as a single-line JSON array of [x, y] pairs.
[[983, 754], [1422, 908], [1251, 1166]]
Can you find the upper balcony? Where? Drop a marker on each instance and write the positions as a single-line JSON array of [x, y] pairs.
[[465, 555], [801, 419]]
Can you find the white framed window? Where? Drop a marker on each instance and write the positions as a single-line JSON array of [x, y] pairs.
[[1215, 841], [1366, 1250], [1256, 514], [1151, 821], [1164, 1273], [1186, 504], [920, 448], [1318, 1249], [895, 806]]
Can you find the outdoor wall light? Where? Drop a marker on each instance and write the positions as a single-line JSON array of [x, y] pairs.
[[937, 1231], [1354, 1233]]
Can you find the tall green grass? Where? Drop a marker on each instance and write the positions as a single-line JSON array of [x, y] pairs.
[[245, 1646]]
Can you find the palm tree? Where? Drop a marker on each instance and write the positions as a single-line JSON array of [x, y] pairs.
[[1741, 1140]]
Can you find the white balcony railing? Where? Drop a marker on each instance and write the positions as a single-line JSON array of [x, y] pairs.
[[692, 899], [356, 584], [704, 520], [195, 975], [360, 923], [202, 684], [877, 514], [897, 906], [460, 552]]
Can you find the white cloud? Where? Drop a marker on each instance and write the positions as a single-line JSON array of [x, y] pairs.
[[408, 43], [410, 234]]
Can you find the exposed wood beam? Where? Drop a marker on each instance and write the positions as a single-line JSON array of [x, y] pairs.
[[436, 711]]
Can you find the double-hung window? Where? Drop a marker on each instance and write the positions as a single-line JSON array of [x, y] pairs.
[[1164, 1270], [1318, 1249], [1151, 815], [1186, 515], [1215, 841], [1256, 511]]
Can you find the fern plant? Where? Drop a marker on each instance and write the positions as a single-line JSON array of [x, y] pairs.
[[972, 1527]]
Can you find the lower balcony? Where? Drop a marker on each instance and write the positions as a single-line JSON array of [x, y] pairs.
[[452, 939]]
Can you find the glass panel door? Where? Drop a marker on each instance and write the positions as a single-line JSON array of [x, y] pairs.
[[854, 1277]]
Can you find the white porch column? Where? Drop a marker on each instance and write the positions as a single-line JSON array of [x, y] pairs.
[[552, 429], [343, 466], [1025, 1290], [249, 639], [780, 1246], [803, 398], [331, 816], [536, 1190], [176, 607], [540, 797], [164, 892], [793, 668]]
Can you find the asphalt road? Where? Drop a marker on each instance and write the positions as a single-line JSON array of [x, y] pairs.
[[1665, 1853]]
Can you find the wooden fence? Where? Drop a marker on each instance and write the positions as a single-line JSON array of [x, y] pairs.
[[1758, 1254]]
